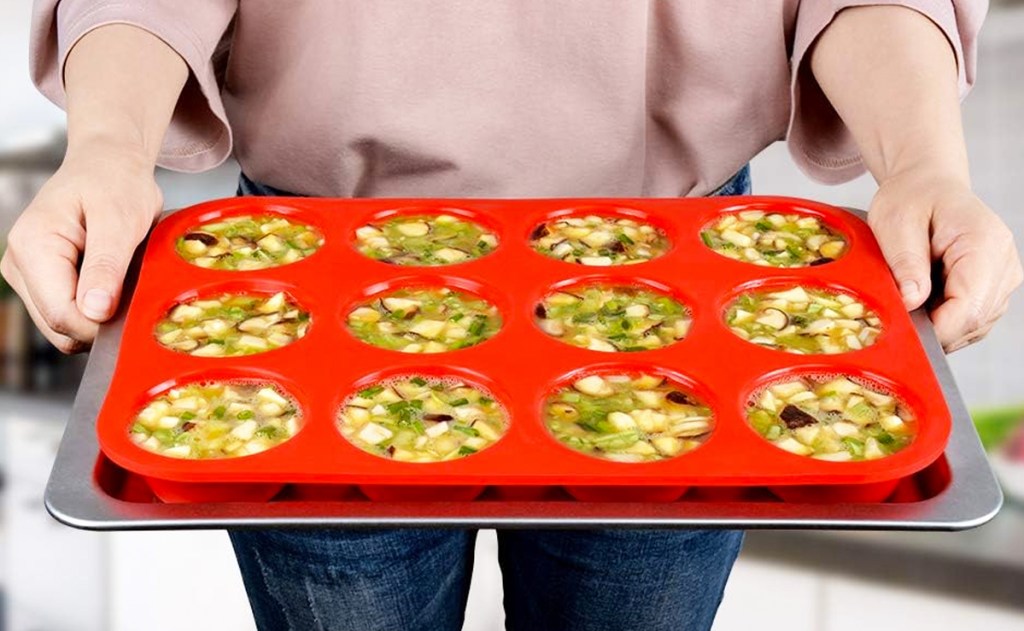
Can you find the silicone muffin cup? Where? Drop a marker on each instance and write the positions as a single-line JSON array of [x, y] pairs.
[[520, 364]]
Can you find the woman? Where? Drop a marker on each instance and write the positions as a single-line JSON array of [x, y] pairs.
[[502, 98]]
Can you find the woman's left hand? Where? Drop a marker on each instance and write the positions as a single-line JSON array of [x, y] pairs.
[[923, 217]]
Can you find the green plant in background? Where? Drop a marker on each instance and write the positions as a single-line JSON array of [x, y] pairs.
[[994, 425]]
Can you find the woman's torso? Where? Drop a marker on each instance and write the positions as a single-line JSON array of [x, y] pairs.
[[506, 98]]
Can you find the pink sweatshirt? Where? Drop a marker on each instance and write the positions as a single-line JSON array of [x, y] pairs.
[[493, 98]]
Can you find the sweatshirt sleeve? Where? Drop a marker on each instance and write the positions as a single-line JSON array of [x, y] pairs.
[[199, 137], [819, 142]]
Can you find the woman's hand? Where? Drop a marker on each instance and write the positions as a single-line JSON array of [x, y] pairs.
[[891, 74], [68, 252], [923, 217], [96, 209]]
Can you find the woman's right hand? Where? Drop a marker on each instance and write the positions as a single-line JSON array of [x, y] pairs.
[[68, 252]]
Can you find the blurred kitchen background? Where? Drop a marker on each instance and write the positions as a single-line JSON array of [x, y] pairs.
[[53, 578]]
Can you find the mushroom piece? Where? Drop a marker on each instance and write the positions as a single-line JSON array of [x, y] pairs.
[[437, 418], [205, 238], [680, 398], [775, 318], [794, 417]]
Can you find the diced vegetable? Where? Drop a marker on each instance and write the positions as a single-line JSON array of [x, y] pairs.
[[834, 419], [775, 239], [804, 321], [425, 320], [432, 419], [425, 240], [599, 240], [249, 243], [627, 418], [230, 325], [193, 421], [613, 318]]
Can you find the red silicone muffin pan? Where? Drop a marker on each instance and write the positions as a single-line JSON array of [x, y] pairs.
[[520, 365]]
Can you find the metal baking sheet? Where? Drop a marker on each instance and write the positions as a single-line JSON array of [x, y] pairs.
[[75, 495]]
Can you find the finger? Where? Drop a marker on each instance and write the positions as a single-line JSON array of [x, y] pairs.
[[903, 237], [971, 338], [108, 251], [63, 343], [983, 331], [972, 287], [48, 277]]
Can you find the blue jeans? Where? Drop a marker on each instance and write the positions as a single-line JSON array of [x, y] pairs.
[[418, 580]]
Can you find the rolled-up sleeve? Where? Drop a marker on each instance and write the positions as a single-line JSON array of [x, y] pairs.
[[199, 136], [819, 142]]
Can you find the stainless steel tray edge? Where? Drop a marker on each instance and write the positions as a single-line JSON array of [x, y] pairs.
[[74, 498]]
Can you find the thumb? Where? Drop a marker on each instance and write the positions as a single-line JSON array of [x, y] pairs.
[[109, 247], [904, 238]]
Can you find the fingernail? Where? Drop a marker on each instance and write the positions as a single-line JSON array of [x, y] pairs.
[[909, 290], [97, 303]]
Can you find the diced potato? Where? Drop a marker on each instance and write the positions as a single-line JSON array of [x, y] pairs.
[[832, 249], [180, 451], [738, 239], [593, 385], [429, 329], [796, 294], [270, 395], [451, 255], [841, 386], [210, 350], [892, 423], [273, 244], [621, 421], [413, 228], [405, 305], [787, 389], [844, 429], [372, 433], [246, 430], [601, 345], [183, 313], [853, 310], [667, 445], [252, 342], [793, 446], [437, 429]]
